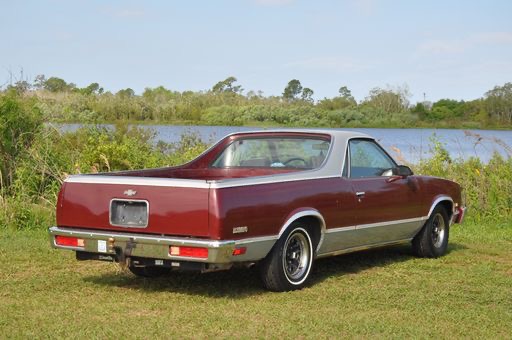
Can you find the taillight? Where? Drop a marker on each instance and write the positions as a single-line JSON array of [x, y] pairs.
[[69, 241], [188, 251]]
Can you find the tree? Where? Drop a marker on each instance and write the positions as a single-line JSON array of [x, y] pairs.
[[39, 81], [226, 86], [126, 93], [307, 94], [292, 90], [346, 94], [389, 100], [21, 86], [55, 84], [93, 88], [499, 102], [446, 108]]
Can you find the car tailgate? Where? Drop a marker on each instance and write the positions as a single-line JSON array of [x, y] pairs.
[[173, 207]]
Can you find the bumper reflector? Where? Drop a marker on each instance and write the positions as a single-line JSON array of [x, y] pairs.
[[188, 251], [69, 241], [239, 251], [460, 215]]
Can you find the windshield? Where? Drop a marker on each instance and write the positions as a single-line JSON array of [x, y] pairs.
[[272, 152]]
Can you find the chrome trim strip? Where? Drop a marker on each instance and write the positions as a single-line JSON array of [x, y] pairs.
[[365, 247], [251, 240], [146, 181], [375, 225], [388, 223], [185, 241], [188, 183], [340, 229], [260, 180]]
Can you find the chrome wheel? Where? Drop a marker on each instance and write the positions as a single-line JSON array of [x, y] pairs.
[[288, 265], [438, 230], [297, 257]]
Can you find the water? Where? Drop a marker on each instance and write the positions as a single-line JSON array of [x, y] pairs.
[[405, 145]]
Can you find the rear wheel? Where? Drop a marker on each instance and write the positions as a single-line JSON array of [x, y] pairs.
[[432, 240], [289, 263], [148, 271]]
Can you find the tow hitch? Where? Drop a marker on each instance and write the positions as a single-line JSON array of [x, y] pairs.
[[123, 256]]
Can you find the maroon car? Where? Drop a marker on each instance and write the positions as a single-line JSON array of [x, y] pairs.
[[279, 199]]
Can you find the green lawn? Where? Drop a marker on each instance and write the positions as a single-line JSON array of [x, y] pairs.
[[384, 293]]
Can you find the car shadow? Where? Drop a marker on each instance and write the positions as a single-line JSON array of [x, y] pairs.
[[239, 283]]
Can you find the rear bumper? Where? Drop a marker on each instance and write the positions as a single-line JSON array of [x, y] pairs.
[[108, 245], [121, 245]]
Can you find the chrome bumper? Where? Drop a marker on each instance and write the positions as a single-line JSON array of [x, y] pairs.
[[145, 246]]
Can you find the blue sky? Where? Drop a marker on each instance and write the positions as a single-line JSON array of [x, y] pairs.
[[445, 49]]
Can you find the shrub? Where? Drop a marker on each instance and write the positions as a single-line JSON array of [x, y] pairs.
[[487, 187]]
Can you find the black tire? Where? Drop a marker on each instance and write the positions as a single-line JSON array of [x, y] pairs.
[[432, 240], [149, 271], [288, 265]]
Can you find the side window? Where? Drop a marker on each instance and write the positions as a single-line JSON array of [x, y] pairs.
[[367, 159]]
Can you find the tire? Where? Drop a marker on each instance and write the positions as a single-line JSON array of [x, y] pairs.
[[149, 271], [432, 240], [288, 265]]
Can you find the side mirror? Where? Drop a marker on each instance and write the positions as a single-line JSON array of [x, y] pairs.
[[403, 171]]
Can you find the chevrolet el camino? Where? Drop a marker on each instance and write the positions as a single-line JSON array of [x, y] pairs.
[[278, 199]]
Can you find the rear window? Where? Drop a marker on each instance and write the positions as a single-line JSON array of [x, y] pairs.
[[300, 153]]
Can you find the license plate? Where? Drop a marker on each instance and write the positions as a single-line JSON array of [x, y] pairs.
[[129, 213]]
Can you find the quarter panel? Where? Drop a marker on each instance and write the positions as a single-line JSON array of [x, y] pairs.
[[264, 208]]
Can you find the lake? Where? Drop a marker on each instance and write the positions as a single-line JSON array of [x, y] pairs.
[[409, 145]]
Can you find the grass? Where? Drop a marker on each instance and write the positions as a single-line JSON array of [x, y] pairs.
[[384, 292]]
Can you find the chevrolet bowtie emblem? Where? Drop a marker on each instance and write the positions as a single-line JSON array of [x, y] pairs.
[[130, 192]]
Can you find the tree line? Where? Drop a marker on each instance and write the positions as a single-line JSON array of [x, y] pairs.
[[227, 103]]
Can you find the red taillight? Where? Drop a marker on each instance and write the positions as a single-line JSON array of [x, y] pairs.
[[188, 251], [239, 251], [69, 241]]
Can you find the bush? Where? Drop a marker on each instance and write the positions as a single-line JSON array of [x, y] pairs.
[[20, 121], [487, 187], [53, 155]]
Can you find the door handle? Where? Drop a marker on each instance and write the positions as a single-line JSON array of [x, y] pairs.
[[360, 194]]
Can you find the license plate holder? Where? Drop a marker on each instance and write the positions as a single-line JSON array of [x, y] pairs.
[[129, 213]]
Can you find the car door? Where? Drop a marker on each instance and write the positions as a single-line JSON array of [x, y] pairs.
[[388, 206]]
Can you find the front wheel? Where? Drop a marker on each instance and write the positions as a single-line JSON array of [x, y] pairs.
[[289, 263], [432, 240]]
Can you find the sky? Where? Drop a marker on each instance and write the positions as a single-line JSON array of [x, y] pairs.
[[437, 49]]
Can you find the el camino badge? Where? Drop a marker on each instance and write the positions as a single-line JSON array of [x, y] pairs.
[[239, 230], [130, 192]]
